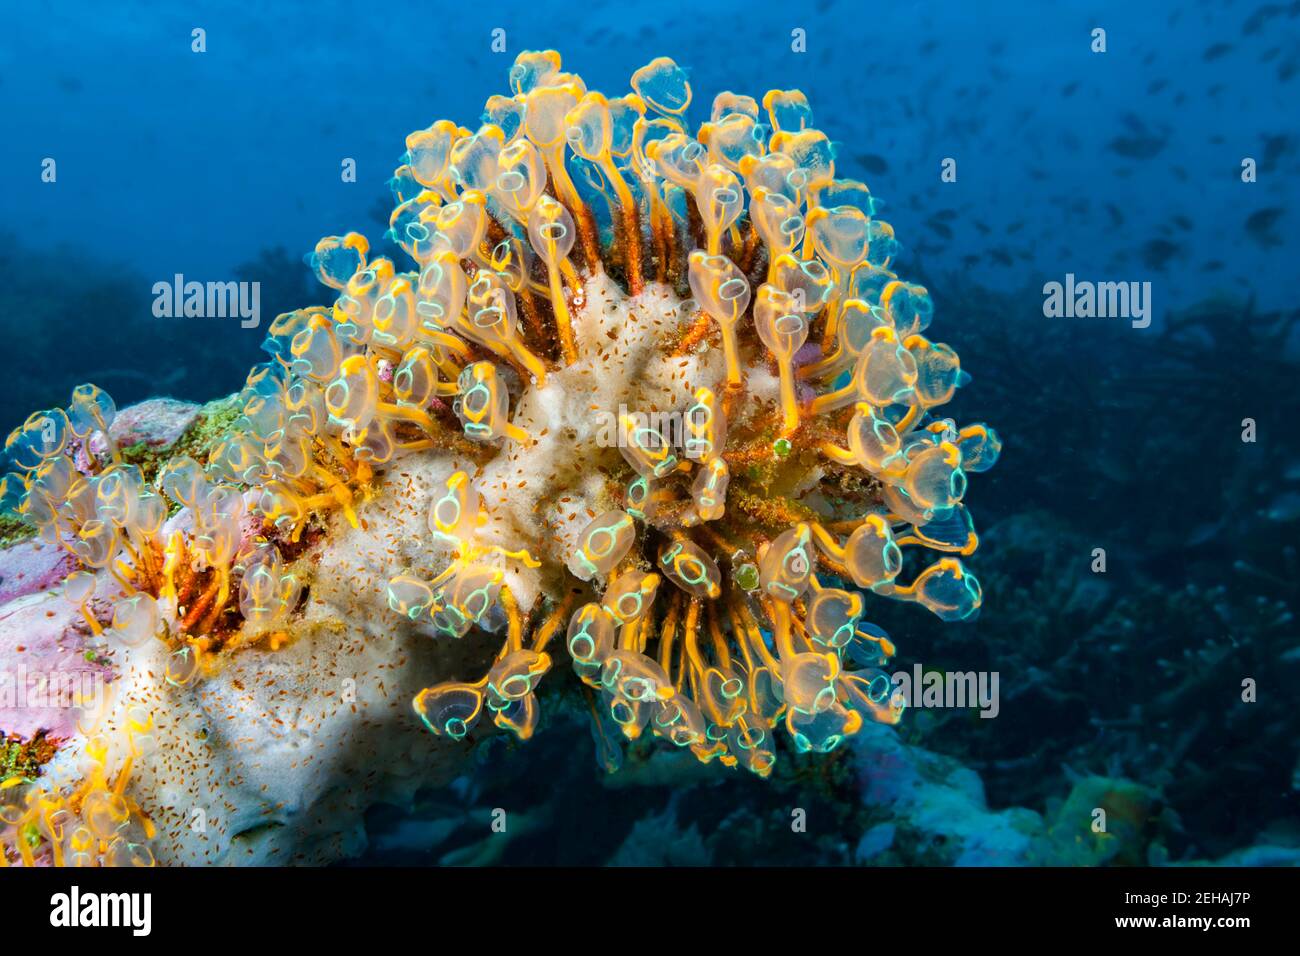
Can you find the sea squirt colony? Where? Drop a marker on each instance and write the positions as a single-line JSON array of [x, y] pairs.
[[716, 593]]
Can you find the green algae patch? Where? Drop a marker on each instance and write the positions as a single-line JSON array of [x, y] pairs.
[[14, 530], [22, 759], [213, 422]]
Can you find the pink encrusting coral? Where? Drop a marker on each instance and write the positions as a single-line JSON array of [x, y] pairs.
[[52, 674], [30, 566], [674, 413]]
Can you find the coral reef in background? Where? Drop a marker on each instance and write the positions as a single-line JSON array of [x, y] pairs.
[[132, 354], [662, 397]]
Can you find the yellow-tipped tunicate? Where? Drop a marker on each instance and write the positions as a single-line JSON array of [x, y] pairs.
[[605, 542], [706, 428], [783, 328], [723, 292], [484, 405], [709, 490], [551, 232]]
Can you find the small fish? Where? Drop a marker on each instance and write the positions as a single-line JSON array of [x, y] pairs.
[[1284, 509], [1156, 253], [1143, 143], [1215, 51], [1259, 226], [1275, 147], [1255, 22], [873, 164], [940, 229]]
